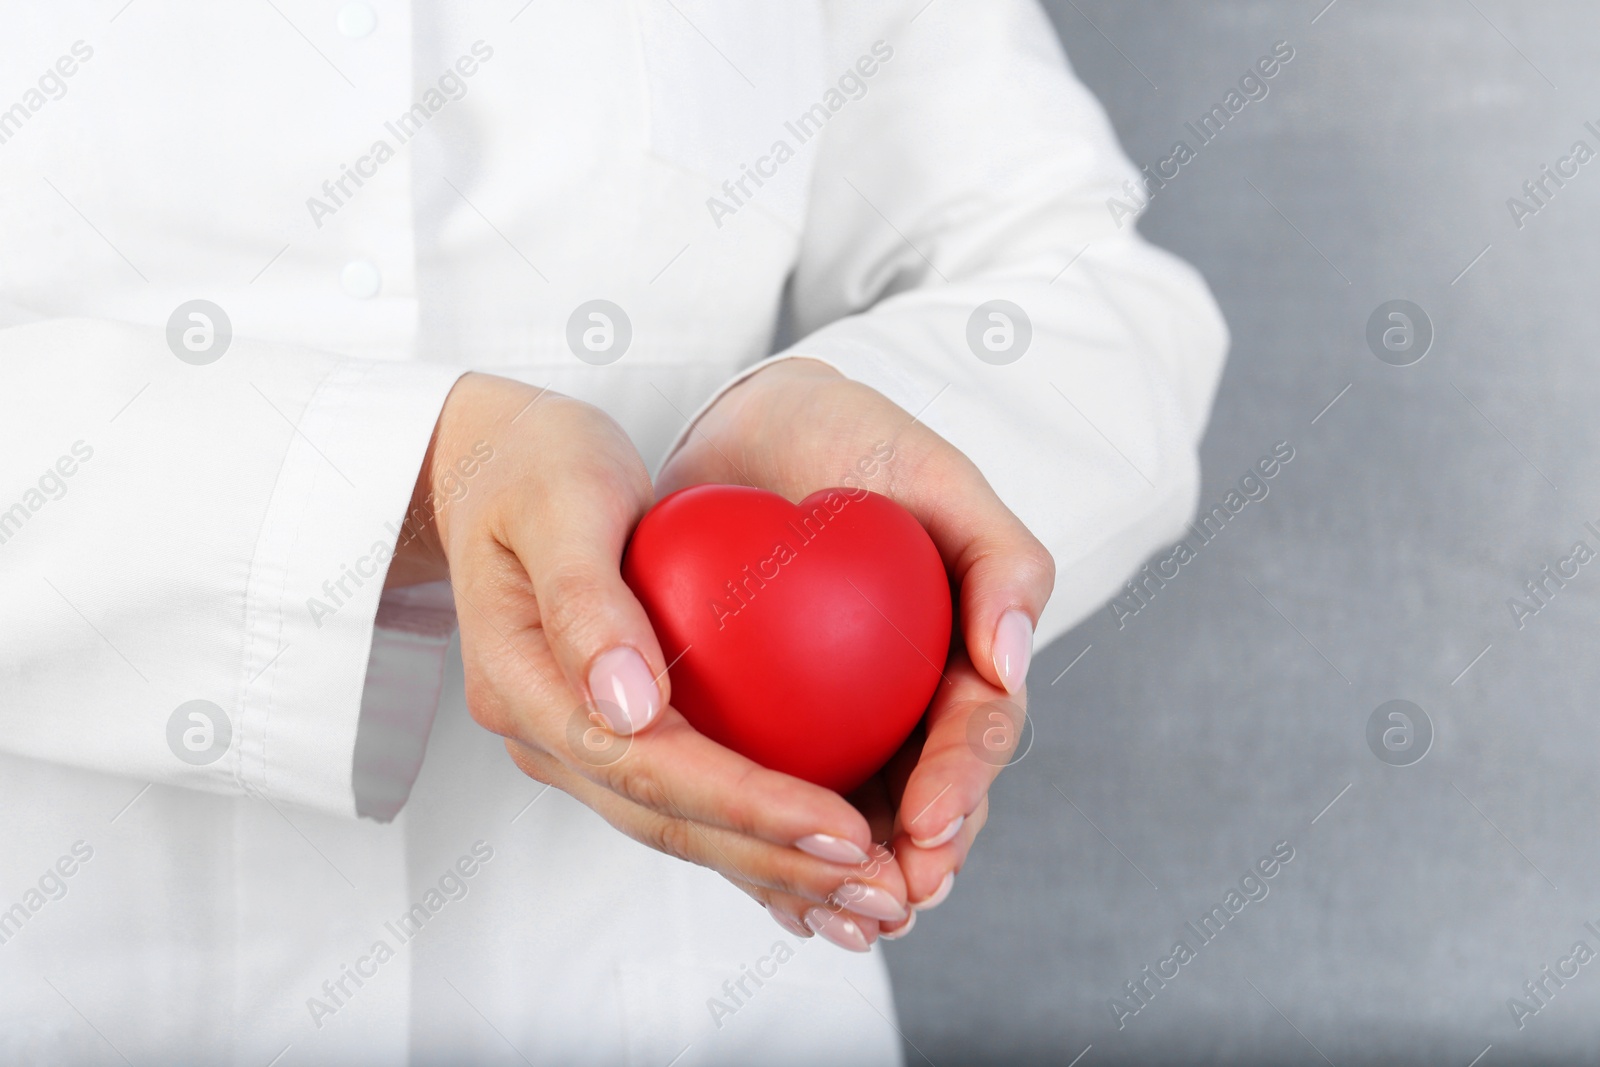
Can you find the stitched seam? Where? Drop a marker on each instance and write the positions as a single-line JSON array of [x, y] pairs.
[[273, 602]]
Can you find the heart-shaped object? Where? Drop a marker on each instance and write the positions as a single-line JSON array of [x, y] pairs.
[[809, 637]]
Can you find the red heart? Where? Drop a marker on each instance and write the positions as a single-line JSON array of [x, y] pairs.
[[811, 636]]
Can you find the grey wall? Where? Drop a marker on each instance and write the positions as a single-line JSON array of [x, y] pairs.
[[1228, 713]]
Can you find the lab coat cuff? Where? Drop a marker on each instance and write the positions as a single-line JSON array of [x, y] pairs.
[[405, 674], [318, 667]]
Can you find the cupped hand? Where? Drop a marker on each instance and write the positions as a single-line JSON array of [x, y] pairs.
[[798, 426], [525, 503]]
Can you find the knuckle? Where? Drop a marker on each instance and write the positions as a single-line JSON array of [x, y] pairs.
[[979, 816], [738, 812], [1036, 565], [567, 599], [485, 704], [673, 837], [532, 763], [640, 785], [634, 481]]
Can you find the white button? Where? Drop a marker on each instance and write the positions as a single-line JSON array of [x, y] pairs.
[[360, 279], [357, 20]]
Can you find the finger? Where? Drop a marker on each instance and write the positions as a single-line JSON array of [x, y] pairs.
[[930, 872], [875, 888], [569, 532], [1003, 572], [675, 770], [896, 774], [895, 931], [804, 919], [671, 768], [877, 806], [973, 729]]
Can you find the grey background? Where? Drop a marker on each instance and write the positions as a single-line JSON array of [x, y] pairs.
[[1213, 726]]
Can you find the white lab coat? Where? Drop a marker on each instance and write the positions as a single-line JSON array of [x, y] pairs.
[[166, 524]]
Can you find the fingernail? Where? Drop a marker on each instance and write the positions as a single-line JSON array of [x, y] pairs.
[[1013, 648], [901, 931], [938, 894], [830, 848], [623, 690], [788, 922], [869, 900], [942, 836], [838, 929]]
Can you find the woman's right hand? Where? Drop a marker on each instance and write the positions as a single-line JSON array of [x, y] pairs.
[[562, 662]]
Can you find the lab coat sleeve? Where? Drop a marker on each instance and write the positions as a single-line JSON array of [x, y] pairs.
[[976, 168], [192, 561]]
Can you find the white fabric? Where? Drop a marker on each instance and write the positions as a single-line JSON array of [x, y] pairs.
[[163, 525]]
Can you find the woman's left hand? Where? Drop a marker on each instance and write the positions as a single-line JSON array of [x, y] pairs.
[[798, 426]]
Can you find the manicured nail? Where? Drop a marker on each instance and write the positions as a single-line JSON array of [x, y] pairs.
[[942, 836], [938, 894], [899, 932], [830, 848], [788, 922], [869, 900], [1013, 648], [623, 690], [838, 929]]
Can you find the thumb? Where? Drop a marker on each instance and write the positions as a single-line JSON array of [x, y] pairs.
[[1005, 574], [568, 529]]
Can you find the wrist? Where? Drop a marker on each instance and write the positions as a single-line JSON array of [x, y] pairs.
[[766, 398], [796, 367], [453, 458], [418, 551]]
